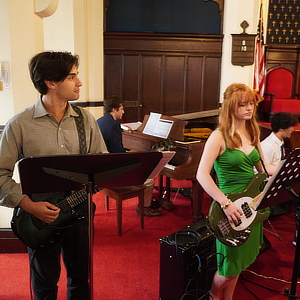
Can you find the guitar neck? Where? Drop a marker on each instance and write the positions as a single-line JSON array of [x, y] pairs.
[[255, 200], [74, 199]]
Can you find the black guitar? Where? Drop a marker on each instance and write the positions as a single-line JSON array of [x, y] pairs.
[[40, 235], [232, 234]]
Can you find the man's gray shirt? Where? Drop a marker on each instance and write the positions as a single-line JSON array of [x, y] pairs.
[[34, 132]]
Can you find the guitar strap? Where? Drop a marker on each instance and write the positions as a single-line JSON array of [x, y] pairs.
[[264, 168], [80, 129], [263, 164]]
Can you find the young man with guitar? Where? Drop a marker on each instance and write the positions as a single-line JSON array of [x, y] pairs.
[[49, 127], [233, 150]]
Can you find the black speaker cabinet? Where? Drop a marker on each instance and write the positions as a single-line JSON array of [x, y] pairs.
[[187, 263]]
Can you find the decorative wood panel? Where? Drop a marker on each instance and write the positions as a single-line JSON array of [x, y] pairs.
[[165, 73], [150, 91]]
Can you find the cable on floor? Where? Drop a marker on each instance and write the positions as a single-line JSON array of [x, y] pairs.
[[285, 293], [268, 277]]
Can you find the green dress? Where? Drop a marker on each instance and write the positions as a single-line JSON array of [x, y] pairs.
[[234, 170]]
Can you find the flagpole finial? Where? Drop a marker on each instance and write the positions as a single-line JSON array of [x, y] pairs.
[[244, 25]]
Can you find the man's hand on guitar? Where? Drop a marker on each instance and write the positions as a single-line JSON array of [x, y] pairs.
[[42, 210], [39, 224], [45, 211]]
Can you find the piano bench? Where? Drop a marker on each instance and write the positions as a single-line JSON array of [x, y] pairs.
[[124, 193]]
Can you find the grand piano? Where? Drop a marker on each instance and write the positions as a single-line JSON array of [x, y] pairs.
[[184, 164]]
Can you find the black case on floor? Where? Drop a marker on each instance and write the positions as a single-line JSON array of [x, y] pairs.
[[187, 263]]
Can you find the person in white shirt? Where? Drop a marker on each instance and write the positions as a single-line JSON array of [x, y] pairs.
[[282, 124]]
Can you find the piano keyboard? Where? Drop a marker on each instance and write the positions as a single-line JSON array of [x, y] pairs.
[[171, 167]]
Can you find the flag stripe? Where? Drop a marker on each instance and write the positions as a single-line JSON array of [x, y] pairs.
[[259, 64]]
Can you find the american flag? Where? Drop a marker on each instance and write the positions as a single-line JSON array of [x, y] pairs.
[[259, 66]]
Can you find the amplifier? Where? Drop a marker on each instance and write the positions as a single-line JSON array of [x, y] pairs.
[[187, 263]]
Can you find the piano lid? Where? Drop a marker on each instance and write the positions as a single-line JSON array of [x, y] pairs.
[[198, 115]]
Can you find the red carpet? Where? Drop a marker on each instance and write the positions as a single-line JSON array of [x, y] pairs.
[[127, 267]]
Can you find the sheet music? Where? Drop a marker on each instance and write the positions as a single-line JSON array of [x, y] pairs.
[[162, 128], [269, 183], [156, 126], [167, 156], [151, 123]]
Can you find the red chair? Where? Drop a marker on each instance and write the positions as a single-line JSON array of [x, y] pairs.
[[279, 94]]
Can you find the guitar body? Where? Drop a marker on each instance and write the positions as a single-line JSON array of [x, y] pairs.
[[232, 234], [37, 234]]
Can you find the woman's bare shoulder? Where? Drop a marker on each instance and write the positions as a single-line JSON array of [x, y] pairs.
[[216, 135]]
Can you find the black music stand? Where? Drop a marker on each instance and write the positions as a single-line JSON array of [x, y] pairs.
[[283, 186], [73, 172]]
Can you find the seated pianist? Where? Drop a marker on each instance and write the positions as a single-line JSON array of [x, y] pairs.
[[112, 134]]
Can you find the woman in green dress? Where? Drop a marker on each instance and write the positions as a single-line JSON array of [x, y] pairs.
[[233, 150]]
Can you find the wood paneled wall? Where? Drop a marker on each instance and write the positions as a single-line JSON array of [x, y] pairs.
[[165, 73]]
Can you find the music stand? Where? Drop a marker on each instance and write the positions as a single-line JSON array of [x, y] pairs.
[[283, 186], [73, 172]]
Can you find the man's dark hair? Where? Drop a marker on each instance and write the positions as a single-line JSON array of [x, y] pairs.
[[50, 65], [282, 120], [112, 102]]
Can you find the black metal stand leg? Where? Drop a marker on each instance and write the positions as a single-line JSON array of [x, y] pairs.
[[91, 238], [293, 292]]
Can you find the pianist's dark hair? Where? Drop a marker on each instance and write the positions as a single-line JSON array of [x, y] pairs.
[[283, 120], [234, 95], [52, 66], [112, 102]]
